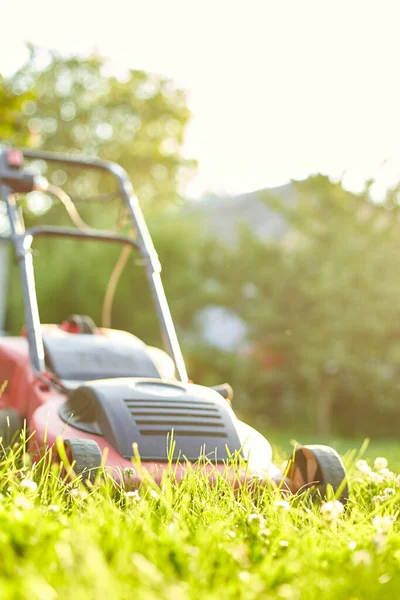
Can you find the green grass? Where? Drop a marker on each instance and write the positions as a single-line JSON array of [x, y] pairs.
[[175, 542], [282, 443]]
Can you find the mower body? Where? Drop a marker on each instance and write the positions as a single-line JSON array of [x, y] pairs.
[[124, 395]]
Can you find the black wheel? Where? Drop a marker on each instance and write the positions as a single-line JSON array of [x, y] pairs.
[[10, 425], [319, 466], [86, 455], [84, 323]]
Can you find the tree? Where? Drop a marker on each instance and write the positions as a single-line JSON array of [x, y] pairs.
[[330, 308], [322, 311], [138, 120], [76, 104], [13, 122]]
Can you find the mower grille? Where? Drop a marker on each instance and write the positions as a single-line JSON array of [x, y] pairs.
[[151, 414], [158, 417]]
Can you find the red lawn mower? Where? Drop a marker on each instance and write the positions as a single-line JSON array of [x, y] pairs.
[[101, 388]]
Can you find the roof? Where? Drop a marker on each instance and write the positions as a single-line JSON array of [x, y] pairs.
[[225, 215]]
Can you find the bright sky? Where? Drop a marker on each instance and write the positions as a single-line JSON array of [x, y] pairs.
[[278, 89]]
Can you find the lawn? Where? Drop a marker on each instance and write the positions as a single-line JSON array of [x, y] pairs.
[[60, 540], [282, 442]]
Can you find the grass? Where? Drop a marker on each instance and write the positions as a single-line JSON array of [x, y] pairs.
[[282, 441], [191, 541]]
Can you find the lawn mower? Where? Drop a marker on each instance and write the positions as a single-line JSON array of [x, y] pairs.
[[101, 388]]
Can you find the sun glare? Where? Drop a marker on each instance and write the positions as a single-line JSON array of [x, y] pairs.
[[277, 91]]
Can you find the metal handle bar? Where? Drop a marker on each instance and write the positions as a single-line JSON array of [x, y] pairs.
[[71, 159], [97, 234], [144, 243]]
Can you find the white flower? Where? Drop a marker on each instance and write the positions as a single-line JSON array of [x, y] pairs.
[[352, 545], [256, 519], [23, 502], [265, 533], [380, 463], [282, 505], [133, 496], [28, 484], [331, 510], [53, 508], [363, 467], [361, 558], [376, 478], [380, 499], [383, 496], [383, 524], [386, 473], [379, 540]]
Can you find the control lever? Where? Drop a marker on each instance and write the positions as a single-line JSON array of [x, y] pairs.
[[13, 175], [225, 390], [23, 182]]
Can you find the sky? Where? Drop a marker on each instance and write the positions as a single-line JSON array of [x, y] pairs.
[[277, 89]]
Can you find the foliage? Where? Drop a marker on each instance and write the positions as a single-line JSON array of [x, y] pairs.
[[13, 122], [323, 343], [339, 303], [76, 104], [62, 540]]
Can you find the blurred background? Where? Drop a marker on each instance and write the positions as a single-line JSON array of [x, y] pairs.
[[263, 143]]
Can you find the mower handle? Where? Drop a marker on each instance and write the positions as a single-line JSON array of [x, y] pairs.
[[91, 163], [98, 234], [143, 242]]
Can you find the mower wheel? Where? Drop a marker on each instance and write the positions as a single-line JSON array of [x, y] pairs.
[[319, 466], [86, 455], [10, 425]]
